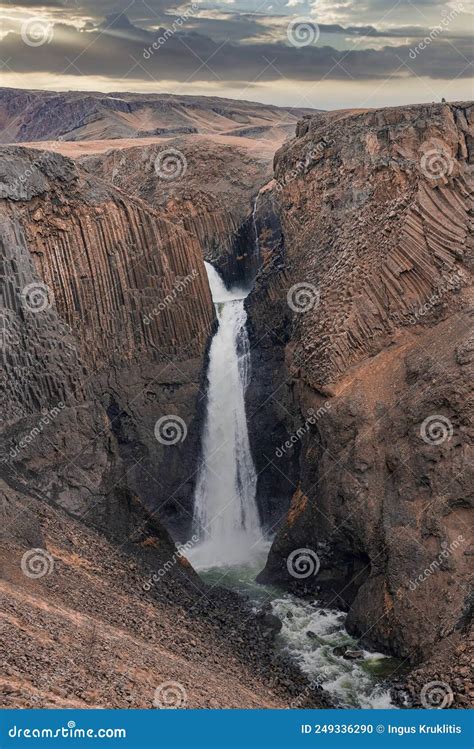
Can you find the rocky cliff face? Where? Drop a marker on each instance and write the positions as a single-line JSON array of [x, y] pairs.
[[106, 303], [206, 186], [370, 299]]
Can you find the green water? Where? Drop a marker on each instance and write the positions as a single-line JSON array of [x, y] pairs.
[[352, 683]]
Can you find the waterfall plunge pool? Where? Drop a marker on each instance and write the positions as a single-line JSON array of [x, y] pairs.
[[358, 683]]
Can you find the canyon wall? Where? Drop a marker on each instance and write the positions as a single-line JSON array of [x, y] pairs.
[[368, 304], [208, 187], [106, 310]]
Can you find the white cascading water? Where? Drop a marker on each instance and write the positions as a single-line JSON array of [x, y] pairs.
[[226, 517]]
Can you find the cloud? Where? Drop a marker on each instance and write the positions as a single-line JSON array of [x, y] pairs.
[[117, 49], [35, 4]]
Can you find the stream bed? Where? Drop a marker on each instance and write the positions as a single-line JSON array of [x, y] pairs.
[[359, 683]]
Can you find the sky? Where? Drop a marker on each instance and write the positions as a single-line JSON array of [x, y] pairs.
[[309, 53]]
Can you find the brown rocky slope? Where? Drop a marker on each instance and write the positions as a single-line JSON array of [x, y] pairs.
[[29, 115], [376, 358]]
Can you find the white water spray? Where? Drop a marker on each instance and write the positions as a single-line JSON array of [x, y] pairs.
[[225, 510]]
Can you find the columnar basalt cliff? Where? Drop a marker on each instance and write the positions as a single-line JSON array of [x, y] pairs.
[[122, 299], [206, 186], [377, 228], [58, 446]]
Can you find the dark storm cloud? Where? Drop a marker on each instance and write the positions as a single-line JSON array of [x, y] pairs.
[[118, 51]]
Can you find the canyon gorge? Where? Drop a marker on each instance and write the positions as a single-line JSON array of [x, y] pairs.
[[340, 245]]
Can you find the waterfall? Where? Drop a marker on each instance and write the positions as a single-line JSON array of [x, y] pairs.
[[254, 224], [225, 511]]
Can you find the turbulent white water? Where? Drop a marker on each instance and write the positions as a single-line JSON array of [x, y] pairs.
[[225, 511], [351, 682]]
